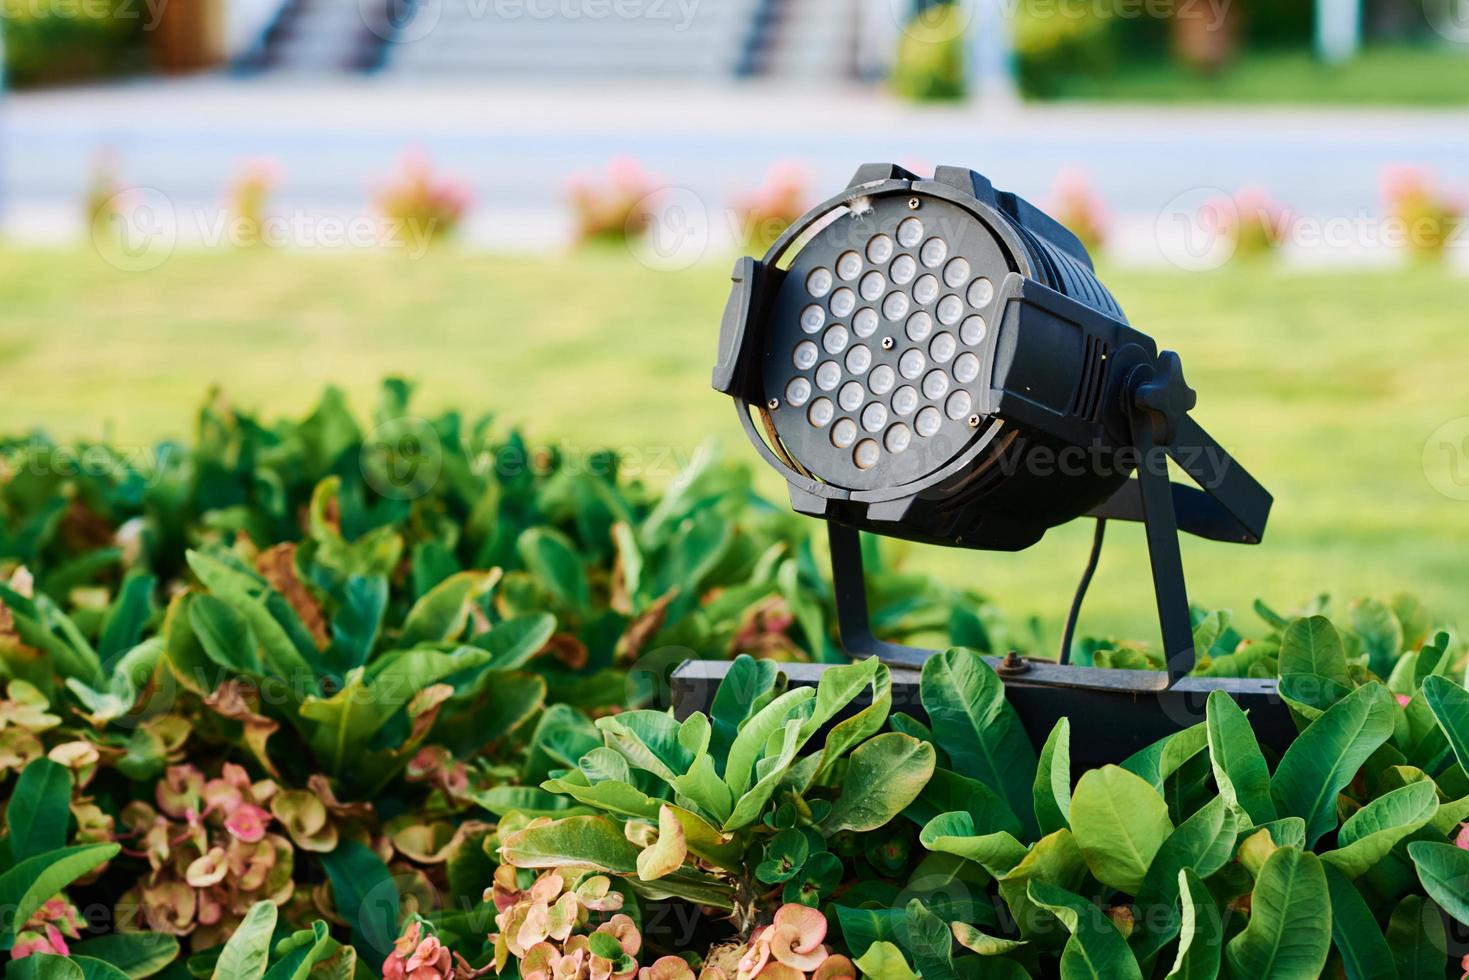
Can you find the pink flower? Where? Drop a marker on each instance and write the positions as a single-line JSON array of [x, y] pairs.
[[247, 823], [1404, 700], [1462, 839], [31, 943], [795, 938]]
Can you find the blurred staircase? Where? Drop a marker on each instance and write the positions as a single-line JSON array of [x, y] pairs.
[[566, 40], [550, 40]]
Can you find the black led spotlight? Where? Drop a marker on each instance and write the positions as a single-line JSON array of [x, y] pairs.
[[934, 359]]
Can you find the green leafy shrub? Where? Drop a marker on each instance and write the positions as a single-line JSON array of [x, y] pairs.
[[318, 699]]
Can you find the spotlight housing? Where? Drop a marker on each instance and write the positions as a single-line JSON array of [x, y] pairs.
[[936, 360]]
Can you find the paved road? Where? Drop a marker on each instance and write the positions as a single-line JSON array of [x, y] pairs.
[[334, 142]]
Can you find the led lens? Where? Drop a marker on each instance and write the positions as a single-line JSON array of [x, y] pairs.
[[851, 396], [859, 359], [812, 317], [843, 302], [821, 412], [950, 309], [880, 249], [966, 368], [881, 380], [956, 273], [818, 283], [933, 253], [973, 330], [864, 324], [895, 306], [935, 383], [866, 454], [942, 348], [903, 270], [897, 438], [928, 421], [911, 364], [797, 392], [874, 417], [828, 376], [910, 232], [919, 326], [844, 433], [835, 339], [905, 400], [925, 290], [805, 356], [958, 405], [981, 291], [849, 266], [872, 285]]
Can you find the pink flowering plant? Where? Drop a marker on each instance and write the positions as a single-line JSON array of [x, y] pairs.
[[420, 202], [1428, 220], [615, 204], [763, 214]]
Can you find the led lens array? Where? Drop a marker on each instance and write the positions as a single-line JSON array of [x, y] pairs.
[[928, 304]]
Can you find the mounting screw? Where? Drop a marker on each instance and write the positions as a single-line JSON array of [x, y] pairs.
[[974, 421], [913, 203], [773, 404], [887, 343], [1012, 664]]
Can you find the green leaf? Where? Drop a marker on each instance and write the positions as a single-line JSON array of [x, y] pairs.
[[983, 943], [44, 966], [1051, 794], [785, 746], [247, 954], [1325, 757], [39, 809], [862, 724], [930, 942], [884, 775], [555, 563], [1096, 950], [747, 687], [300, 952], [1167, 755], [1120, 821], [954, 833], [665, 855], [1202, 844], [123, 625], [978, 729], [1234, 754], [95, 969], [702, 785], [1381, 633], [749, 744], [1288, 936], [516, 640], [1311, 656], [442, 613], [366, 897], [1450, 706], [27, 885], [1370, 833], [884, 961], [1201, 931], [138, 954], [1444, 871], [1365, 954], [247, 595], [225, 635], [1417, 941], [592, 841]]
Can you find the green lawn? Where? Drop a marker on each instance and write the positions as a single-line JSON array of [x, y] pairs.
[[1400, 74], [1326, 386]]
